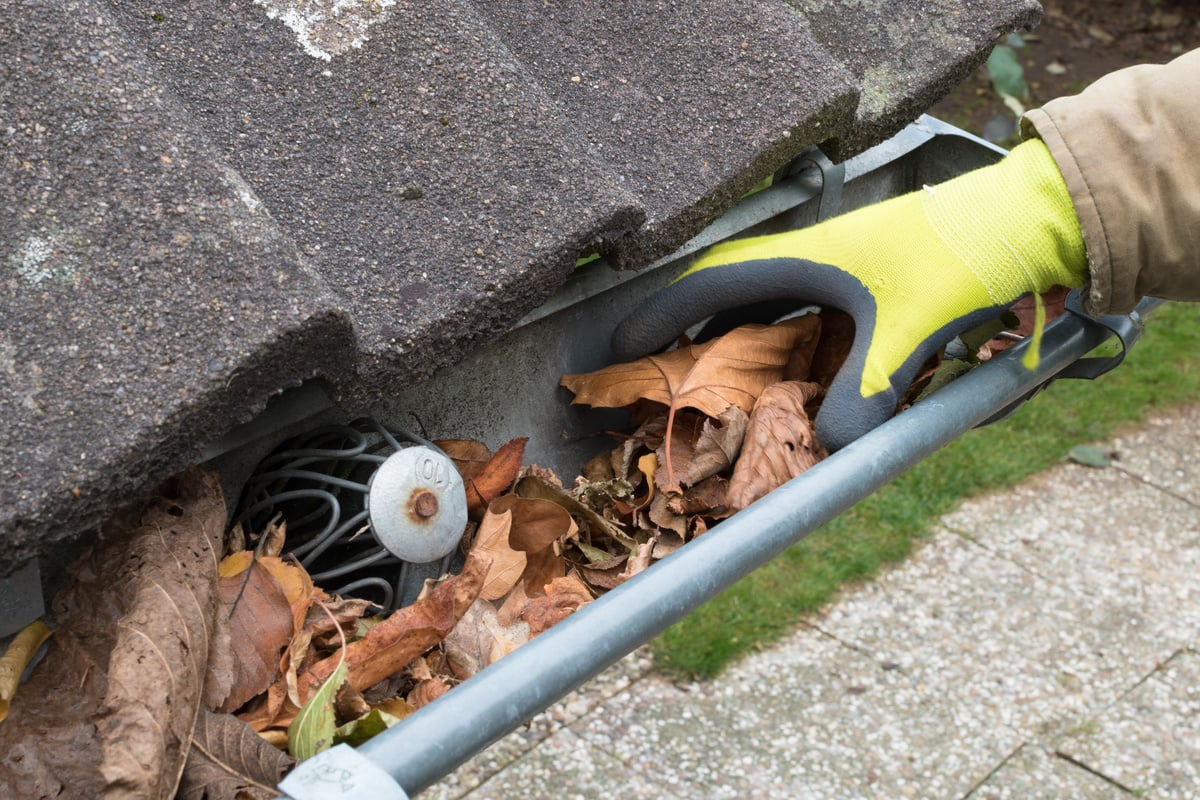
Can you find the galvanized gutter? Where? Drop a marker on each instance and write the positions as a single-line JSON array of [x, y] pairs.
[[436, 739]]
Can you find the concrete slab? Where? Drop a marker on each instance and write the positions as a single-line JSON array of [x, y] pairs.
[[1148, 741], [1132, 548], [506, 753], [592, 775], [809, 719], [1165, 451], [1034, 773], [1005, 644]]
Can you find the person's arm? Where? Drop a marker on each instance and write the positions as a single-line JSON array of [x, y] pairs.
[[1128, 148], [1109, 195]]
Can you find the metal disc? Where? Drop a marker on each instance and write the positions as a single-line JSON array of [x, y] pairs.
[[417, 504]]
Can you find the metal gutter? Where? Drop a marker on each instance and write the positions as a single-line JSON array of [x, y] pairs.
[[436, 739]]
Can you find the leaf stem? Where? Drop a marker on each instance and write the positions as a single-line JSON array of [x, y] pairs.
[[667, 446]]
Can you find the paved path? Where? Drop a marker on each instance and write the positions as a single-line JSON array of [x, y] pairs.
[[1043, 643]]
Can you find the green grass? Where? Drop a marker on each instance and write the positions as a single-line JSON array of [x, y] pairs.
[[1161, 371]]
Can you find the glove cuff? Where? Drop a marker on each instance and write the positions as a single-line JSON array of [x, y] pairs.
[[1012, 224]]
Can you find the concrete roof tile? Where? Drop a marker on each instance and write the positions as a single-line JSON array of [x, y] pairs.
[[906, 55], [691, 104], [205, 204]]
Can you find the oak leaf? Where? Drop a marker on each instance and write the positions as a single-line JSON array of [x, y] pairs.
[[709, 377], [731, 370], [780, 443]]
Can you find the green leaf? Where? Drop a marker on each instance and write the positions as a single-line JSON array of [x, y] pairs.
[[1004, 68], [1090, 456], [357, 731], [313, 728]]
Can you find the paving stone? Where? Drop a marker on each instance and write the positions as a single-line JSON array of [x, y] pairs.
[[810, 718], [1165, 451], [1104, 535], [1034, 773], [906, 56], [1007, 645], [564, 758], [1149, 741], [744, 89], [504, 753]]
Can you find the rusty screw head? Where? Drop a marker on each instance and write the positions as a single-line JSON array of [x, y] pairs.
[[425, 504]]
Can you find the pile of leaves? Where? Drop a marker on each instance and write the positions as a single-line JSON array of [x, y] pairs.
[[186, 662]]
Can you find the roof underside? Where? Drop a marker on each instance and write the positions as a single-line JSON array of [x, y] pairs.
[[205, 204]]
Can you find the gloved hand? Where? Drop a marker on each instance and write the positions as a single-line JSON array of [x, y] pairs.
[[914, 272]]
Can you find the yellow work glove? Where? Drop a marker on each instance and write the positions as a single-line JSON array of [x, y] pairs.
[[914, 272]]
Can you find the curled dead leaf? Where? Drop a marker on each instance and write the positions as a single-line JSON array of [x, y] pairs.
[[563, 597], [392, 644], [137, 630], [701, 447], [495, 477], [780, 443]]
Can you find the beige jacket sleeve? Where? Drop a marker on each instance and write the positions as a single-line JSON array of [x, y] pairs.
[[1129, 150]]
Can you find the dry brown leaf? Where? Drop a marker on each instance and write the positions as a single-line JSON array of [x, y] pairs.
[[397, 707], [468, 455], [730, 370], [270, 543], [535, 487], [544, 473], [639, 561], [348, 704], [564, 596], [665, 543], [709, 497], [512, 606], [261, 625], [542, 568], [536, 523], [780, 443], [492, 540], [132, 653], [837, 337], [604, 575], [479, 639], [17, 655], [426, 692], [701, 447], [496, 476], [392, 644], [710, 377], [229, 760], [664, 518], [346, 611]]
